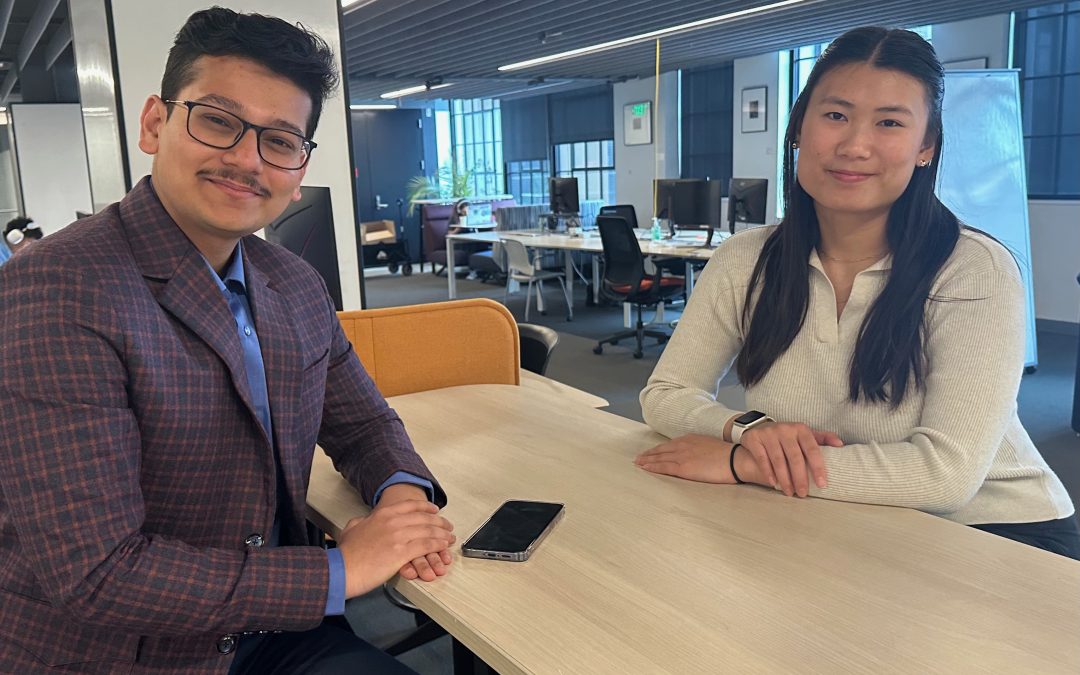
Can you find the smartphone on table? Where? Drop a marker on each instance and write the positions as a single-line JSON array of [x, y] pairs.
[[514, 531]]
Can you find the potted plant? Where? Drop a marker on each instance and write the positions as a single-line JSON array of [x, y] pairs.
[[449, 183]]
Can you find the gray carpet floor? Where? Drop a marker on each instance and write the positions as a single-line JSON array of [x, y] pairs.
[[1045, 404]]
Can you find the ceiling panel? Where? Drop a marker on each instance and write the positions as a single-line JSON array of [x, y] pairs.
[[390, 44]]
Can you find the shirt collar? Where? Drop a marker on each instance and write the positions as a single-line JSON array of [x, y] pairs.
[[883, 265], [234, 270]]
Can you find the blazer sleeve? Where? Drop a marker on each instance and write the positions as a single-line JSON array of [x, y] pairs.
[[360, 432], [70, 476]]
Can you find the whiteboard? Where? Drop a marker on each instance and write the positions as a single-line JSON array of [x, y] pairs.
[[51, 153], [982, 176]]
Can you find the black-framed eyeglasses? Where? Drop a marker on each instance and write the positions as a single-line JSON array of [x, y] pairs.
[[222, 129]]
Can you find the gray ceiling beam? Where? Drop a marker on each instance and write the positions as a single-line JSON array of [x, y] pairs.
[[5, 17], [35, 29], [57, 44]]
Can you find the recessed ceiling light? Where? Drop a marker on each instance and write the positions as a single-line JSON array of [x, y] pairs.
[[409, 91], [372, 106]]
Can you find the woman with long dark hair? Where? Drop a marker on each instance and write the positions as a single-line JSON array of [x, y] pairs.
[[880, 341]]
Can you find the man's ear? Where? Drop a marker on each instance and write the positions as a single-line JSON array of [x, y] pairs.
[[153, 117], [296, 193]]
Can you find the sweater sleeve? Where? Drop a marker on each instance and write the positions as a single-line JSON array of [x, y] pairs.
[[680, 396], [974, 342]]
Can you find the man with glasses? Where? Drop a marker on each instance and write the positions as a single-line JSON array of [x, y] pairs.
[[172, 373]]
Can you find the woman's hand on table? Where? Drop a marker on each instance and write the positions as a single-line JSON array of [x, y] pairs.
[[788, 455], [705, 459]]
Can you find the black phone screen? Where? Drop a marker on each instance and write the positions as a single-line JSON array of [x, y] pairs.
[[514, 526]]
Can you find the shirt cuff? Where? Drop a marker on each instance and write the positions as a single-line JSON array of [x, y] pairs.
[[406, 477], [335, 594]]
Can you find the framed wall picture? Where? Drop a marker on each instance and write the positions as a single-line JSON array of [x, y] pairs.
[[637, 123], [755, 112]]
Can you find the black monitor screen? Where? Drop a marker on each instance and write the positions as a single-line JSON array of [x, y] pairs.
[[688, 202], [746, 200], [307, 229], [564, 196]]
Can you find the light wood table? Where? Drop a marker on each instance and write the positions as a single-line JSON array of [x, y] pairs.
[[650, 574], [534, 382]]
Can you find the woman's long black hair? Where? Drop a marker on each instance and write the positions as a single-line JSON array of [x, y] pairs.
[[921, 232]]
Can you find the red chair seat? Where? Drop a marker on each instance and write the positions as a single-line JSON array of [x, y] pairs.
[[646, 284]]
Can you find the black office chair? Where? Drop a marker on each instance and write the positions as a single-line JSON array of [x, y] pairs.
[[624, 211], [625, 278], [537, 344]]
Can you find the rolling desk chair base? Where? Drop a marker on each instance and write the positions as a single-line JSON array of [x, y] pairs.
[[639, 333]]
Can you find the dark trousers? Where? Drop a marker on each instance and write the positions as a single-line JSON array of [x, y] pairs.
[[330, 649], [1057, 536]]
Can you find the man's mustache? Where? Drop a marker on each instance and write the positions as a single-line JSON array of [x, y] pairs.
[[238, 178]]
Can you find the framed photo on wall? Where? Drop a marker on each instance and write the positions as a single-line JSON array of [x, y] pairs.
[[755, 112], [637, 123]]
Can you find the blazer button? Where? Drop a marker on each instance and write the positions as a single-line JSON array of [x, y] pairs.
[[254, 540], [226, 644]]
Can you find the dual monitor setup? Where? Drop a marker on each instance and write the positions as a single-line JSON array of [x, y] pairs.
[[685, 203]]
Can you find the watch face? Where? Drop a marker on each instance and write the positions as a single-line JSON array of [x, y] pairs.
[[749, 417]]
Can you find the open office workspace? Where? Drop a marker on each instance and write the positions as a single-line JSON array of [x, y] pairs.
[[624, 289]]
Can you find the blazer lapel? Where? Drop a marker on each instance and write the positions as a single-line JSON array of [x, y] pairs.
[[283, 362], [180, 280]]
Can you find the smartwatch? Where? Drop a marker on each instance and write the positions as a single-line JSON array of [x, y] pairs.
[[747, 420]]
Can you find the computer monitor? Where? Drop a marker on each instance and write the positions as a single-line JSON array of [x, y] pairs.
[[679, 201], [690, 204], [746, 201], [307, 229], [563, 193]]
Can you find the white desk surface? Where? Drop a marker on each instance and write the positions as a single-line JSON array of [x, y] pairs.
[[651, 574], [678, 248]]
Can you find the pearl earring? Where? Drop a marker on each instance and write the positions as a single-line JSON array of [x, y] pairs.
[[795, 145], [923, 163]]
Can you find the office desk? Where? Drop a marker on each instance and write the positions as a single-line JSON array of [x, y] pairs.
[[650, 574], [587, 244]]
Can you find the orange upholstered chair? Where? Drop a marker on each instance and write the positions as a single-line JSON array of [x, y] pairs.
[[442, 344]]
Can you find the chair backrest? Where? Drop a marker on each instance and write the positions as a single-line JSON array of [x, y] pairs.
[[441, 344], [624, 211], [517, 257], [623, 262], [435, 219], [537, 344]]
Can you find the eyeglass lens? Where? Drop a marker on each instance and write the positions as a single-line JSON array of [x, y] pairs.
[[221, 129]]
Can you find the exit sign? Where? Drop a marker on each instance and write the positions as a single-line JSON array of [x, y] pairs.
[[641, 109]]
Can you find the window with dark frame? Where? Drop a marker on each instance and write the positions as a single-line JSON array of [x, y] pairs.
[[1047, 52], [476, 131], [592, 163], [527, 180]]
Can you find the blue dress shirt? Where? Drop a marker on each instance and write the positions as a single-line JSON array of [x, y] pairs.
[[233, 286]]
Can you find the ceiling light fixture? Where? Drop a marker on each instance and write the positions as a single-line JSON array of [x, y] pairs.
[[372, 106], [409, 91], [355, 4], [652, 35]]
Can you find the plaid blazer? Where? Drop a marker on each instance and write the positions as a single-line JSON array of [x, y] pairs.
[[134, 470]]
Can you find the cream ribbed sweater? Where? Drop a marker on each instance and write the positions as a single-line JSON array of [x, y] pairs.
[[956, 449]]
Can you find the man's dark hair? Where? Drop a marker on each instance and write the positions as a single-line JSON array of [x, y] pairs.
[[290, 51]]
